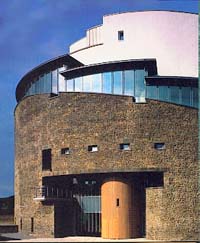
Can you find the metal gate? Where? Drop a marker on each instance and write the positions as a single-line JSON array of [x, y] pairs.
[[87, 209], [87, 214]]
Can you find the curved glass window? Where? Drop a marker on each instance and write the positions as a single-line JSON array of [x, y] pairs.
[[107, 83], [55, 81], [41, 85], [37, 86], [47, 83], [78, 84], [61, 79], [163, 93], [129, 81], [175, 94], [139, 85], [185, 95], [179, 95], [195, 97], [87, 83], [97, 83], [117, 86], [40, 82], [33, 88], [69, 85], [152, 92], [124, 82]]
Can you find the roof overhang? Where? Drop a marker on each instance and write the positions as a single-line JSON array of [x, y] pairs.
[[45, 67], [147, 64]]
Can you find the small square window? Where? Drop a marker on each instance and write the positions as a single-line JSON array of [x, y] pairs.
[[92, 148], [65, 151], [159, 146], [74, 180], [121, 35], [125, 146], [90, 182]]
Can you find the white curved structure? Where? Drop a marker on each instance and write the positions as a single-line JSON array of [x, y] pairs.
[[170, 37]]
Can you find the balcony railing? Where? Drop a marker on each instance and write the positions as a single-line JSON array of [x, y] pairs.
[[44, 193]]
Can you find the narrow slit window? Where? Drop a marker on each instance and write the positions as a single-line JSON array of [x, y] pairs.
[[121, 35], [20, 223], [92, 148], [125, 146], [65, 151], [159, 146], [32, 225], [117, 202], [46, 159]]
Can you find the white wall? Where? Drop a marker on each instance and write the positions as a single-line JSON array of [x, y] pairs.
[[170, 37], [93, 37]]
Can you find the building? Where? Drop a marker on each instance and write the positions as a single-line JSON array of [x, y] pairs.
[[7, 210], [106, 136], [7, 217]]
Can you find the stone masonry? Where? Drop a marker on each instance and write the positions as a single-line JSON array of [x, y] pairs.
[[76, 120]]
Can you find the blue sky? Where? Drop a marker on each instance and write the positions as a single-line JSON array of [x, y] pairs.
[[33, 31]]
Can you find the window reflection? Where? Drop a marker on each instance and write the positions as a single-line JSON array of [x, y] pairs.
[[70, 85], [37, 87], [163, 93], [152, 92], [61, 83], [185, 93], [55, 81], [87, 83], [195, 97], [78, 84], [129, 82], [33, 91], [117, 88], [107, 82], [139, 83], [174, 94], [97, 83], [42, 79], [48, 83]]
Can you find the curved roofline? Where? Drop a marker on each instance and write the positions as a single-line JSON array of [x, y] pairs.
[[95, 26], [110, 62], [51, 64], [42, 64], [46, 63], [153, 10], [149, 63]]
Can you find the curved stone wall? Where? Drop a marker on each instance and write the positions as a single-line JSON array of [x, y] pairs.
[[77, 120]]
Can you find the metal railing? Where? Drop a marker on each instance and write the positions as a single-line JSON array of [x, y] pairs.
[[43, 193]]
